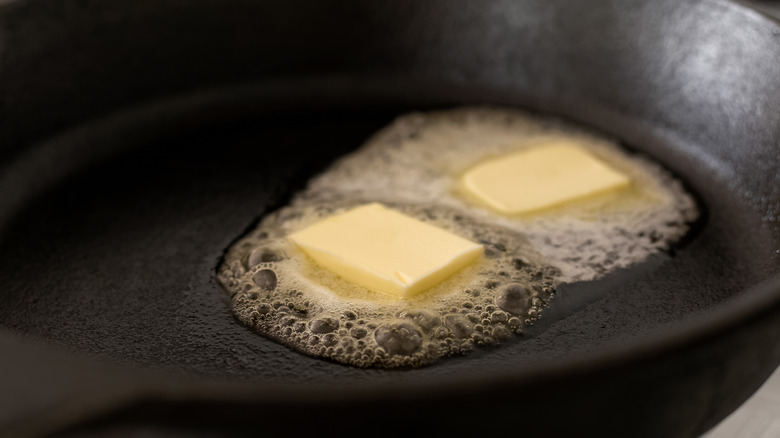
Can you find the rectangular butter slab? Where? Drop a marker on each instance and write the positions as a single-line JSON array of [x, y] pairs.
[[548, 175], [385, 251]]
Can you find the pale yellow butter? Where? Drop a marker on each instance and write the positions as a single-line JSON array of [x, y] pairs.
[[549, 174], [385, 251]]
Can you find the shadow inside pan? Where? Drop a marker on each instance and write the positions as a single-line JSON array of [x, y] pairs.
[[117, 258]]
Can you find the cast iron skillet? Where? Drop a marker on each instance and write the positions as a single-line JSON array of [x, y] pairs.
[[140, 138]]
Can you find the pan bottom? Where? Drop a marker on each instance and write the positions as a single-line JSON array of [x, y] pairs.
[[117, 258]]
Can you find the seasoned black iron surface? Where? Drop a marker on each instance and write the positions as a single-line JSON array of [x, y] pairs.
[[117, 201], [119, 259]]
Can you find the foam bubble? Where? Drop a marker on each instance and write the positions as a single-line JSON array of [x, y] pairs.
[[412, 166]]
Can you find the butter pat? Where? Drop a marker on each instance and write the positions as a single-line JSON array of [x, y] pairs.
[[385, 251], [548, 175]]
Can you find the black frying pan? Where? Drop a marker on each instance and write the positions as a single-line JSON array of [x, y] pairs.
[[139, 138]]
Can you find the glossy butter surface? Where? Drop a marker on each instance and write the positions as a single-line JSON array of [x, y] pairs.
[[384, 250], [547, 175]]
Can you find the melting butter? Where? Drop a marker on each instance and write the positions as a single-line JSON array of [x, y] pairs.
[[414, 167], [549, 174], [386, 251]]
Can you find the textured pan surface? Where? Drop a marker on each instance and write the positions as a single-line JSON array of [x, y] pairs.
[[111, 230]]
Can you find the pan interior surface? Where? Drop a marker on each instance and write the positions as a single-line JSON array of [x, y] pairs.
[[139, 139], [117, 259]]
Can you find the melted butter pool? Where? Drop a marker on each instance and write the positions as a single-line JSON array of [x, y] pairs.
[[413, 166]]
